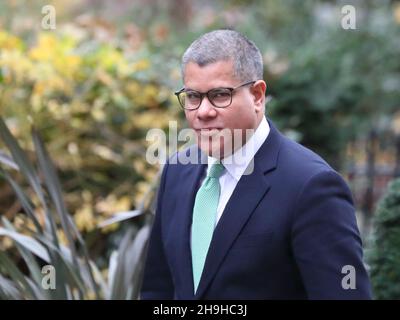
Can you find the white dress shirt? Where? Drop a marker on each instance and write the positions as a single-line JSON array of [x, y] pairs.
[[237, 163]]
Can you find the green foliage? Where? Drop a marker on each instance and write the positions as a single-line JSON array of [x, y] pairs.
[[384, 255], [336, 87], [49, 236], [93, 102]]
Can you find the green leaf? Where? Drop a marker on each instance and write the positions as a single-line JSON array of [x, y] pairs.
[[8, 289], [120, 216], [53, 187], [135, 261], [30, 260], [8, 161], [27, 242], [21, 159], [118, 288], [55, 191], [24, 200], [17, 276], [29, 172]]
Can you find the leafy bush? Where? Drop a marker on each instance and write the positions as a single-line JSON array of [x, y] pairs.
[[384, 255], [93, 101], [49, 236]]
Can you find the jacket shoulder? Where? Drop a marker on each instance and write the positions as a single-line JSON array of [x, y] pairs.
[[296, 157]]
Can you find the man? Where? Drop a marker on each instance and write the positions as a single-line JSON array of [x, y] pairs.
[[285, 229]]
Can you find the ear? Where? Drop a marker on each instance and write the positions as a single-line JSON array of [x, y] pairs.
[[258, 90]]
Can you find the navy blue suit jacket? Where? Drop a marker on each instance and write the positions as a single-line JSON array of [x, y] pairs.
[[286, 232]]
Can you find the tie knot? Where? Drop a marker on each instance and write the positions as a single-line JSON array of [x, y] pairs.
[[216, 170]]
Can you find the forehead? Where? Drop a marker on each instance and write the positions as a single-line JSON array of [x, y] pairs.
[[215, 74]]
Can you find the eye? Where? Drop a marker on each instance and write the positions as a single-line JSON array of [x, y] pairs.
[[220, 94], [192, 95]]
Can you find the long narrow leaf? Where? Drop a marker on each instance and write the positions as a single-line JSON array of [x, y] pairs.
[[24, 200], [8, 161], [73, 271], [21, 159], [112, 268], [90, 266], [36, 288], [54, 189], [28, 242], [8, 289], [134, 262], [17, 276], [99, 279], [27, 169], [120, 216], [30, 260], [118, 289]]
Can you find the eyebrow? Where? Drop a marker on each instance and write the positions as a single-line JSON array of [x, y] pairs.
[[187, 89]]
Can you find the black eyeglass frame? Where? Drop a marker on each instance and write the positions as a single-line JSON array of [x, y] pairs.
[[203, 94]]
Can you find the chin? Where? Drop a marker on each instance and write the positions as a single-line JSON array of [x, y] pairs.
[[215, 150]]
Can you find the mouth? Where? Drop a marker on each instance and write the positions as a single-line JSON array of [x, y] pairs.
[[208, 131]]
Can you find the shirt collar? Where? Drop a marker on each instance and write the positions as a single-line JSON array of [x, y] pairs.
[[237, 163]]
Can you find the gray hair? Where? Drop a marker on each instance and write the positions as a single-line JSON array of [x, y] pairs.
[[223, 45]]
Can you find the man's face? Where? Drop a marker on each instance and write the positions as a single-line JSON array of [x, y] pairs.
[[245, 112]]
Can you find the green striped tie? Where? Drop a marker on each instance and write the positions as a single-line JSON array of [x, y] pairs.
[[204, 216]]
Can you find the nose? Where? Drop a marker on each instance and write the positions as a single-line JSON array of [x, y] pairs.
[[206, 109]]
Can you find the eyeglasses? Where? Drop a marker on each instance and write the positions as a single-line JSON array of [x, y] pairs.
[[219, 97]]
